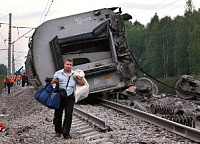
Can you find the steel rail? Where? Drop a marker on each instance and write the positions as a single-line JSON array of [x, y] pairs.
[[91, 118], [182, 130]]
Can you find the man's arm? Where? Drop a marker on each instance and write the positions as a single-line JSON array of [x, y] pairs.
[[80, 81], [55, 78]]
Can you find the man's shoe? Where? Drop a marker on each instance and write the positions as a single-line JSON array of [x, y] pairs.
[[67, 137]]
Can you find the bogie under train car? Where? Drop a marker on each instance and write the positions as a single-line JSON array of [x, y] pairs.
[[95, 40]]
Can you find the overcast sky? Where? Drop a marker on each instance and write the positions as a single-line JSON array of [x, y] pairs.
[[31, 13]]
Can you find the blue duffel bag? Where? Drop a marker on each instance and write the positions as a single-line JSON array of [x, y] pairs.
[[48, 97]]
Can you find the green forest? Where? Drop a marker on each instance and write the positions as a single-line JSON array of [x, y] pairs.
[[167, 47]]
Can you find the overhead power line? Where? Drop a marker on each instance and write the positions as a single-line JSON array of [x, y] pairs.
[[43, 12], [173, 8], [47, 11], [19, 37], [149, 8], [4, 16], [22, 36], [20, 55], [171, 4], [15, 26], [160, 8], [18, 31]]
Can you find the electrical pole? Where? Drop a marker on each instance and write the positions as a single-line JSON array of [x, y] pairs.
[[13, 60], [9, 47]]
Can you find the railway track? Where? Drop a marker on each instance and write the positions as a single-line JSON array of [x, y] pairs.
[[179, 129], [90, 127]]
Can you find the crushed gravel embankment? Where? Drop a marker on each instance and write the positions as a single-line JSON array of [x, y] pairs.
[[27, 121]]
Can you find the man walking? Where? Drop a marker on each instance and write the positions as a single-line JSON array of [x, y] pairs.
[[23, 79], [8, 85], [66, 81]]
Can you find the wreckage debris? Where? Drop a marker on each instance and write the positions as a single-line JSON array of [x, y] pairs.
[[188, 87]]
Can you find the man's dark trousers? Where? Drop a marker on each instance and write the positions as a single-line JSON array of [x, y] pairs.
[[66, 103]]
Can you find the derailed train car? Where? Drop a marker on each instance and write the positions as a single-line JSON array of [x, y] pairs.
[[96, 42]]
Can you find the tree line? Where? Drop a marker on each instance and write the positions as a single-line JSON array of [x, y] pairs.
[[167, 47], [3, 69]]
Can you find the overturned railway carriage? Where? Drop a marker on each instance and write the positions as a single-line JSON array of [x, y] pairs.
[[95, 41]]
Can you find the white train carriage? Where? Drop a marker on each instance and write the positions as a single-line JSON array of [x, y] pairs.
[[96, 42]]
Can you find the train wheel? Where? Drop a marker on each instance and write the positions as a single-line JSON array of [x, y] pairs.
[[181, 93]]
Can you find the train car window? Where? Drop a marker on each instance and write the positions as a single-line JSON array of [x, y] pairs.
[[86, 47], [79, 61]]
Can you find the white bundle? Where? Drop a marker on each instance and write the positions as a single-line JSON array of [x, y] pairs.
[[80, 92], [79, 73]]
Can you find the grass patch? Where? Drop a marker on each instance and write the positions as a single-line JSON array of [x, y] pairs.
[[1, 82]]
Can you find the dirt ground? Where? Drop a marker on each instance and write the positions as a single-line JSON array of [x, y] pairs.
[[26, 120]]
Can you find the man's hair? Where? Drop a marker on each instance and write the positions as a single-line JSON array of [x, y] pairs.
[[70, 60]]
